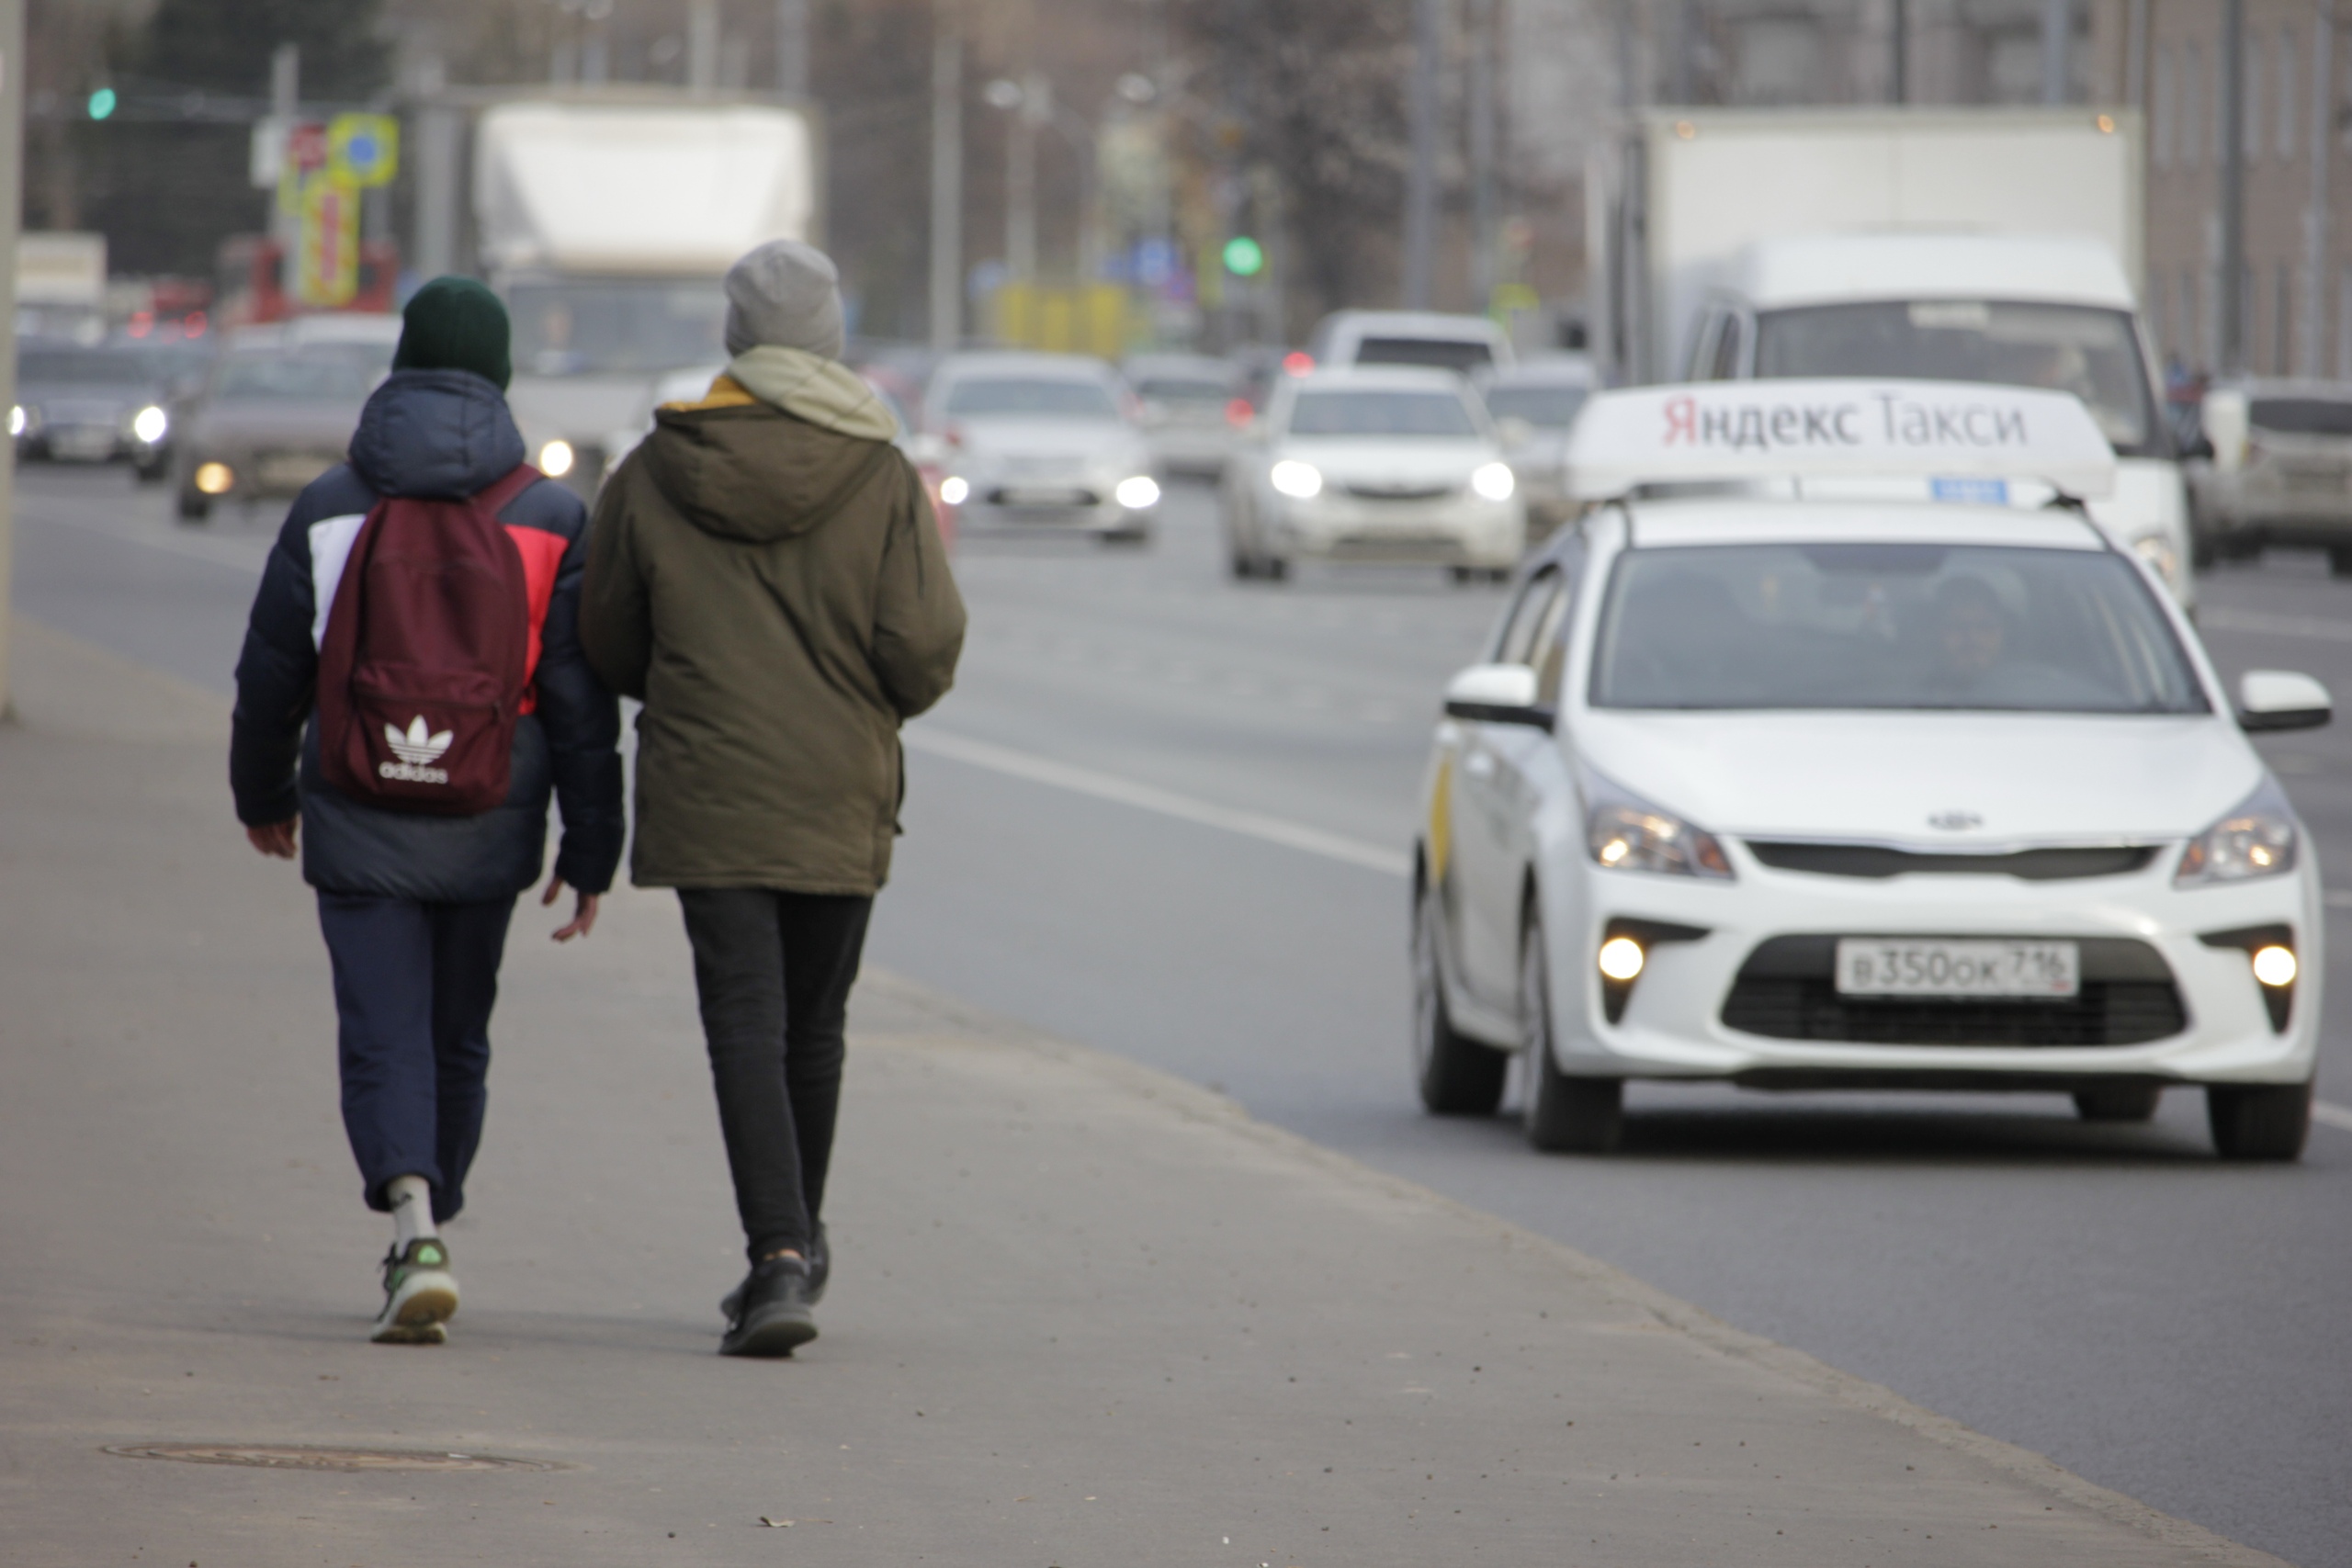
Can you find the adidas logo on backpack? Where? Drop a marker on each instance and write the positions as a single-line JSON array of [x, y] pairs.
[[415, 748]]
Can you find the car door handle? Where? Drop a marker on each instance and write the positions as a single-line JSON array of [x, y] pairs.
[[1479, 764]]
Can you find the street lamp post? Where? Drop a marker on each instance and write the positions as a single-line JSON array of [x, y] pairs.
[[2232, 291], [946, 180]]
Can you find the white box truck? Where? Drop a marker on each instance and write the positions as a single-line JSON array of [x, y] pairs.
[[608, 224], [1999, 246]]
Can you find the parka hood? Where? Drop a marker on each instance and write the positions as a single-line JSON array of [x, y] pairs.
[[435, 433], [754, 473]]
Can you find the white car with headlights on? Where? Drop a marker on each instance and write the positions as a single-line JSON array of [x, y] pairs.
[[1374, 464], [1795, 787], [1038, 443]]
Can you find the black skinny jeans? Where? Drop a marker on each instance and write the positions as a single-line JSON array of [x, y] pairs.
[[774, 971]]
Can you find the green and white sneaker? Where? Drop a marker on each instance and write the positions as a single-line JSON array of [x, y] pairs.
[[419, 1294]]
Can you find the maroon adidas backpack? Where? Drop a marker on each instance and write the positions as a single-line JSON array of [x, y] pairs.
[[424, 662]]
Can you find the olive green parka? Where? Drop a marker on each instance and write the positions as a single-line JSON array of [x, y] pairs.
[[776, 593]]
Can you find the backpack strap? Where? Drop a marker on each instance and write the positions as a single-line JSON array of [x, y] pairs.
[[502, 492]]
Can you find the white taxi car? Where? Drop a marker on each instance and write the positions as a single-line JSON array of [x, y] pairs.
[[1780, 772]]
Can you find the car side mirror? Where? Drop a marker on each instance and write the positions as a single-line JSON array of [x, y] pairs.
[[2281, 699], [1498, 693], [2227, 420]]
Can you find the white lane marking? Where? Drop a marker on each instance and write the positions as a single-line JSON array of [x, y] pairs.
[[2326, 628], [1167, 803], [2337, 1116]]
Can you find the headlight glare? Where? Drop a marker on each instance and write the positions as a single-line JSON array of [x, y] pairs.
[[2275, 966], [1494, 482], [1621, 959], [1137, 492], [556, 458], [2257, 839], [1300, 482], [955, 490], [215, 479], [1626, 834], [16, 420], [149, 423]]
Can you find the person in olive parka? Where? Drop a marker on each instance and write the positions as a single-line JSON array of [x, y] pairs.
[[765, 574]]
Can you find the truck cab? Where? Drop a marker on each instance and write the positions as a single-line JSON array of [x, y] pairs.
[[2007, 309]]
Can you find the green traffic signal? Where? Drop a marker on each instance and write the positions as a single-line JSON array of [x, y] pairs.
[[102, 103], [1244, 257]]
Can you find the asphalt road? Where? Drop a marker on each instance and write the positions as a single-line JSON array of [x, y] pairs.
[[1163, 814]]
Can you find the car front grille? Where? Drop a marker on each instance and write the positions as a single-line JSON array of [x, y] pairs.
[[1787, 990], [1884, 860], [1400, 492]]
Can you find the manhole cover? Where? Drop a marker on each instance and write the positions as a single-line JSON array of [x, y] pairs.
[[277, 1455]]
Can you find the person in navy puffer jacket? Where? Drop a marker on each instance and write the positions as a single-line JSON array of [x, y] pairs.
[[415, 908]]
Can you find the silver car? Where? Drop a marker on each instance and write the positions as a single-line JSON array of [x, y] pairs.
[[2279, 471], [1534, 405], [1188, 405], [1038, 443]]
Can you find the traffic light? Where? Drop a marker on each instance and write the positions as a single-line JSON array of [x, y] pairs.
[[102, 103], [1244, 257]]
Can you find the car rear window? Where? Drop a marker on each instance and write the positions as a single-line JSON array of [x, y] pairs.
[[1186, 389], [1030, 397], [1387, 413], [1545, 408], [2303, 416], [93, 367], [1441, 353], [1887, 625], [345, 375]]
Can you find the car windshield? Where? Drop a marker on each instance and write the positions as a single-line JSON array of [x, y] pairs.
[[1442, 353], [623, 326], [2089, 352], [1182, 389], [1545, 408], [1381, 414], [1030, 397], [82, 367], [1887, 625], [2302, 416], [342, 376]]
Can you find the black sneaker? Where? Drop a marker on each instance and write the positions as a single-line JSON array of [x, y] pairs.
[[772, 1311], [821, 1269], [419, 1294]]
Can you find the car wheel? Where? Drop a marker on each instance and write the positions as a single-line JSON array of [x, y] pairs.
[[2118, 1103], [2265, 1121], [1132, 537], [194, 506], [1239, 564], [1275, 568], [151, 473], [1458, 1076], [1565, 1115]]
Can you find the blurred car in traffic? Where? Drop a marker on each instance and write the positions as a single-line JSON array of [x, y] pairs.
[[2274, 467], [1187, 408], [278, 409], [1468, 344], [1822, 790], [1387, 463], [93, 404], [1038, 443], [1533, 405]]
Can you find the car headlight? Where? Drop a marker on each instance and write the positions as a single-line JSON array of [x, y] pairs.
[[1494, 482], [556, 458], [1137, 492], [2258, 838], [149, 425], [215, 479], [955, 490], [2158, 551], [1300, 482], [16, 420], [1625, 832]]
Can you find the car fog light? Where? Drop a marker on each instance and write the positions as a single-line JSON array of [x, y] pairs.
[[215, 479], [1494, 482], [1139, 492], [556, 458], [955, 490], [2275, 966], [1300, 482], [16, 420], [149, 423], [1621, 958]]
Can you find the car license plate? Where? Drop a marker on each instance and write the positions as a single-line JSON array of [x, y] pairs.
[[1038, 498], [1903, 966], [88, 443]]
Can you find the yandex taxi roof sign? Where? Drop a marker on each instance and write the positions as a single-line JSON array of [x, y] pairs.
[[1753, 430]]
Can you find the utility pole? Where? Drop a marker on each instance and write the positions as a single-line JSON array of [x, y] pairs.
[[1030, 101], [12, 172], [792, 46], [2233, 106], [1686, 44], [1484, 20], [947, 179], [2057, 39], [1420, 185], [701, 46], [1899, 55], [2318, 217]]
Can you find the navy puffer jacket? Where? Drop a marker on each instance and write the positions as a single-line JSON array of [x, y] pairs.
[[436, 434]]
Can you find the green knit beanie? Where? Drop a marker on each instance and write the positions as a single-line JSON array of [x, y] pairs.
[[455, 323]]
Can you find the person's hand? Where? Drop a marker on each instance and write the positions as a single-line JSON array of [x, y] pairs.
[[583, 913], [275, 839]]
